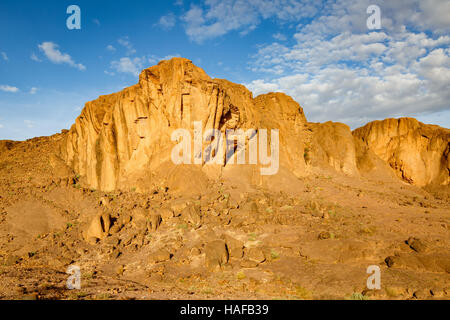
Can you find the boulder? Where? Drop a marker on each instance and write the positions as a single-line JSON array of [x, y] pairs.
[[166, 214], [159, 256], [255, 254], [154, 221], [191, 214], [235, 246], [433, 262], [216, 254], [99, 227], [417, 245]]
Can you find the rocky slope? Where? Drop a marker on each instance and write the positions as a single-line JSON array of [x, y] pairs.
[[227, 241]]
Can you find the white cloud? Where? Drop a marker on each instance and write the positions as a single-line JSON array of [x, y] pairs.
[[4, 56], [279, 37], [110, 48], [168, 57], [7, 88], [217, 17], [29, 123], [34, 57], [167, 22], [135, 65], [340, 71], [33, 90], [1, 126], [349, 15], [125, 42], [127, 65], [52, 53], [212, 18], [355, 95], [154, 59]]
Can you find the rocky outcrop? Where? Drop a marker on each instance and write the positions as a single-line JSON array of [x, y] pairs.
[[6, 145], [332, 144], [123, 139], [418, 153], [98, 228]]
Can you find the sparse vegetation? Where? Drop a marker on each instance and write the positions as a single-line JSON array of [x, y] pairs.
[[104, 296], [208, 291], [274, 255], [183, 226], [358, 296], [303, 293], [306, 154]]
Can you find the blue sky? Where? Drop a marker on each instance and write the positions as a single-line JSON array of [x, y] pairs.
[[319, 52]]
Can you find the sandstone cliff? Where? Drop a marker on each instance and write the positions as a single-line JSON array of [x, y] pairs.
[[121, 139], [418, 153], [333, 144]]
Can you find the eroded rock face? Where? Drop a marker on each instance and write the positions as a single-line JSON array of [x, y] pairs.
[[332, 144], [120, 140], [418, 153], [123, 140]]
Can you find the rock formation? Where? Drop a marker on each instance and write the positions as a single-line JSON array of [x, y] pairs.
[[124, 140], [418, 153], [120, 140], [333, 144]]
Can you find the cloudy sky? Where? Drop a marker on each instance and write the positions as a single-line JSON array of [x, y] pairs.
[[320, 52]]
